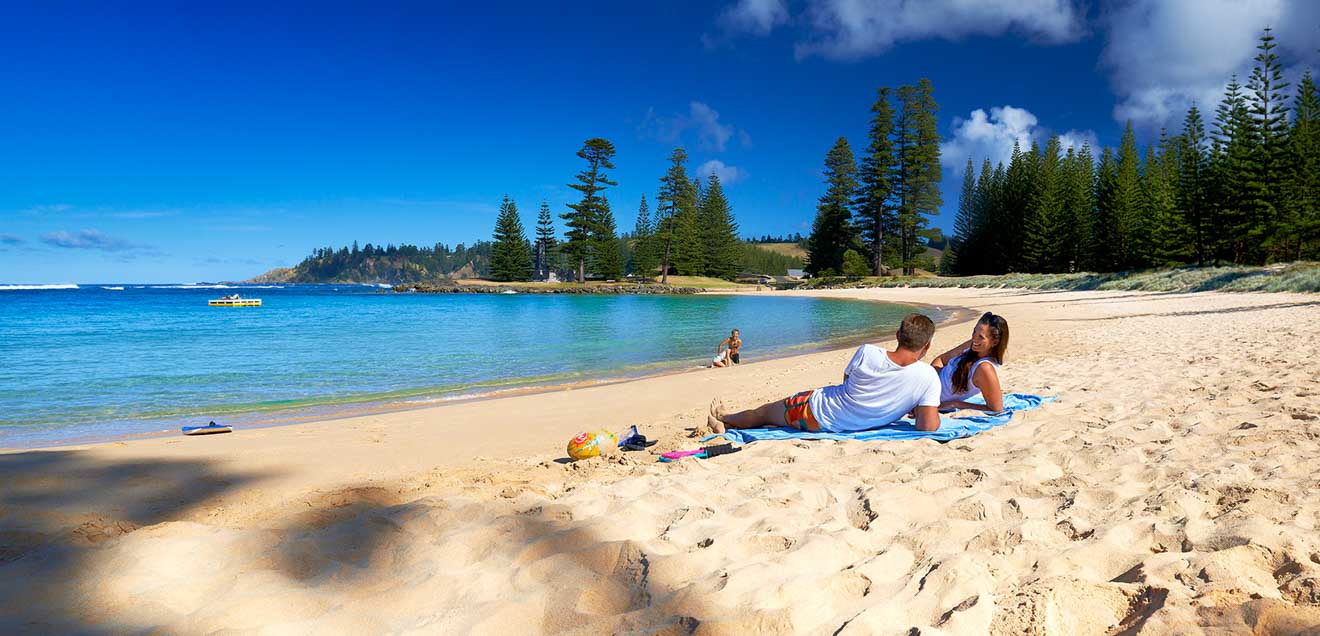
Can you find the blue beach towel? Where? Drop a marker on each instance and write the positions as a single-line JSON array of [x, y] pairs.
[[951, 428]]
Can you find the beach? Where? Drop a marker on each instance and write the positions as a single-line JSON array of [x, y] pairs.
[[1168, 489]]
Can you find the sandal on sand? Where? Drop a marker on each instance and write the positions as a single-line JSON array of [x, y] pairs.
[[721, 449], [634, 441], [704, 452]]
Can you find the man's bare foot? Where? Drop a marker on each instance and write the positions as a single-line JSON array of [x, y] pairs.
[[715, 419]]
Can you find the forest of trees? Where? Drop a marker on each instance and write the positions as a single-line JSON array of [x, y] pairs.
[[786, 238], [692, 231], [1245, 191], [390, 264], [874, 214]]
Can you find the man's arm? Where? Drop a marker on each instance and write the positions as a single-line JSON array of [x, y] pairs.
[[928, 418], [927, 411]]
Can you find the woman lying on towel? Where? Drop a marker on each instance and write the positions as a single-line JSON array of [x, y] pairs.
[[972, 367]]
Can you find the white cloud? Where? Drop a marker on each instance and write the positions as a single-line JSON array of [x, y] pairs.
[[727, 174], [40, 210], [988, 135], [858, 28], [238, 228], [143, 214], [86, 240], [757, 17], [1075, 139], [992, 135], [712, 135], [1162, 56]]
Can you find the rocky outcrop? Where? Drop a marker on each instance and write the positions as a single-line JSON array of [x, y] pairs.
[[277, 275]]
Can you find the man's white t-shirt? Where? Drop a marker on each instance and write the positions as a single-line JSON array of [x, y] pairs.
[[877, 392]]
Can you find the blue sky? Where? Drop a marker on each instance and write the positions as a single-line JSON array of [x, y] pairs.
[[171, 143]]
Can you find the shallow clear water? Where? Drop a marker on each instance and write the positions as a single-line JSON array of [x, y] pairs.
[[98, 361]]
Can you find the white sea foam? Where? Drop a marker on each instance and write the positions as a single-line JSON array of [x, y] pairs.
[[449, 398], [113, 288], [35, 287]]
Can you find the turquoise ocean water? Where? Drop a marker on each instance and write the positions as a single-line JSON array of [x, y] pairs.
[[109, 360]]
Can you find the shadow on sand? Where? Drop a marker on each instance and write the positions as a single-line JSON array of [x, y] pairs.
[[58, 507], [65, 517]]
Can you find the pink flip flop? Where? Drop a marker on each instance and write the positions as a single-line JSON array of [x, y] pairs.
[[704, 452]]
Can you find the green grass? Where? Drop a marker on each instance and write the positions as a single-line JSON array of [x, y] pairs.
[[1284, 277], [706, 283]]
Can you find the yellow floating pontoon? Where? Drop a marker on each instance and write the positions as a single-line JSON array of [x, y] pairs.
[[234, 302]]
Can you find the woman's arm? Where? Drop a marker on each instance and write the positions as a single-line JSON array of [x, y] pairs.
[[948, 356], [987, 380], [720, 346]]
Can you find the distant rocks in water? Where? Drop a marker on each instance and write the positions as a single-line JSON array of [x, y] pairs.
[[433, 288]]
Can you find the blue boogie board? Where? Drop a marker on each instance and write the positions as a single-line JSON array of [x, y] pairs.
[[209, 429]]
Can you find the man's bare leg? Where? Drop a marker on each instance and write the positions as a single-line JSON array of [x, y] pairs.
[[771, 414]]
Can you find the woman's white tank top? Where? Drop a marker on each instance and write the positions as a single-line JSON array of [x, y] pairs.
[[946, 380]]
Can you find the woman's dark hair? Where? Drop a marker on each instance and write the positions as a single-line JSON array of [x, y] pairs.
[[999, 330]]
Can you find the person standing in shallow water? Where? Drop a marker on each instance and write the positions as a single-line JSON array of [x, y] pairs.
[[729, 357]]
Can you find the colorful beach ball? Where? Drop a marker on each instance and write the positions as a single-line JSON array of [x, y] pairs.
[[591, 444]]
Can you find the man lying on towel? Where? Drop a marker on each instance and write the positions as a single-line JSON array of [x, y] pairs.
[[879, 388]]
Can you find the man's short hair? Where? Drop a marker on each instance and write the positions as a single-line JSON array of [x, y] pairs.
[[915, 332]]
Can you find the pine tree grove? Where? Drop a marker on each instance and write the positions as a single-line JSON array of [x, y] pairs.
[[1246, 191], [833, 232], [606, 252], [510, 255], [546, 244], [644, 259], [874, 207], [719, 232], [676, 205], [585, 217]]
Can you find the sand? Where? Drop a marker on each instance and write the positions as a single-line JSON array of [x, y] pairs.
[[1170, 489]]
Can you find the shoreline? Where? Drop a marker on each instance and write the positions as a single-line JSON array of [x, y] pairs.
[[332, 410], [1140, 500]]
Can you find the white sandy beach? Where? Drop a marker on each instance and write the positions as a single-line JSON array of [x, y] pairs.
[[1170, 489]]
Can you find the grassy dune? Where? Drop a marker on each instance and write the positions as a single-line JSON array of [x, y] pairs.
[[1288, 277], [787, 249]]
